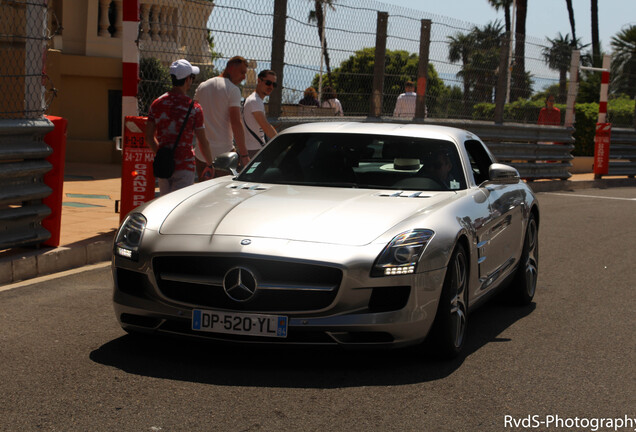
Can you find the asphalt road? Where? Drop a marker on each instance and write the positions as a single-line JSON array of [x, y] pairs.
[[65, 365]]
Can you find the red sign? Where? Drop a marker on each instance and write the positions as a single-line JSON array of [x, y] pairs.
[[137, 178], [602, 148]]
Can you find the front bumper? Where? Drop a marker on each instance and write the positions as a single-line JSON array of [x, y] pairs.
[[363, 311]]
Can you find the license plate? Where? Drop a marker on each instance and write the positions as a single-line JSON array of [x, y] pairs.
[[239, 323]]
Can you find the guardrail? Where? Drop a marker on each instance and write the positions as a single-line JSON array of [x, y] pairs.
[[622, 153], [22, 167], [538, 152]]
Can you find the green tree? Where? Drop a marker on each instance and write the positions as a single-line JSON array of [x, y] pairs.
[[353, 80], [154, 80], [479, 53], [558, 56], [460, 48], [624, 62]]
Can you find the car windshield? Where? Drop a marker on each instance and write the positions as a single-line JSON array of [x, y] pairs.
[[358, 161]]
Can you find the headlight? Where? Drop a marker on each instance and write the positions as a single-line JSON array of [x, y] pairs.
[[129, 236], [402, 253]]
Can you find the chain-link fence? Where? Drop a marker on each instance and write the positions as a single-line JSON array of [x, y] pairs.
[[330, 45], [24, 86]]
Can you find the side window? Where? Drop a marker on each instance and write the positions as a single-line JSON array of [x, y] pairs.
[[480, 161]]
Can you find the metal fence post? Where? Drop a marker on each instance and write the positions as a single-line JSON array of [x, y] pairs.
[[375, 109], [422, 70], [278, 55], [502, 80]]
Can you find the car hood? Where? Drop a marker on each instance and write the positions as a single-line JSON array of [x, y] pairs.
[[299, 213]]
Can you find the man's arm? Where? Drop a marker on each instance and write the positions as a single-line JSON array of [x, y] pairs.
[[260, 118], [204, 145], [151, 141], [239, 134]]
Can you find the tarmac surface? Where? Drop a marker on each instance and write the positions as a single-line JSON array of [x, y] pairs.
[[89, 220]]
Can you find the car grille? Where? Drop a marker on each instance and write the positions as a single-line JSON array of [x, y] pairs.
[[281, 286]]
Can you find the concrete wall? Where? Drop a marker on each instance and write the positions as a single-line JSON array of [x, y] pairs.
[[82, 85]]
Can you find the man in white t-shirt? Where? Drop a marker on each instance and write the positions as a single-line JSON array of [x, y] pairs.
[[257, 128], [220, 99], [405, 105]]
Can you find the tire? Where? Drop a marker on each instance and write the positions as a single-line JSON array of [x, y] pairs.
[[524, 284], [448, 333]]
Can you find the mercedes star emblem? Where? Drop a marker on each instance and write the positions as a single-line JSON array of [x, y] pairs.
[[239, 284]]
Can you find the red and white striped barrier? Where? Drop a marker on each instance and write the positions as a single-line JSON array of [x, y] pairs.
[[130, 58], [605, 77]]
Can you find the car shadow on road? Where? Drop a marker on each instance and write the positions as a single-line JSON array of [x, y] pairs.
[[299, 367]]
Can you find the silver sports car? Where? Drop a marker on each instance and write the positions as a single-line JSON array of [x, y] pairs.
[[353, 234]]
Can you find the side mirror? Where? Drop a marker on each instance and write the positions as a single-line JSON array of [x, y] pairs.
[[227, 161], [503, 174]]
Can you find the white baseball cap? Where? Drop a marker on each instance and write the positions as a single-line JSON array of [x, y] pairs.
[[183, 69]]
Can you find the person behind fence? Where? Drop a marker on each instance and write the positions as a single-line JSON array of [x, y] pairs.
[[310, 98], [405, 104], [257, 128], [173, 121], [549, 115], [220, 99], [330, 100]]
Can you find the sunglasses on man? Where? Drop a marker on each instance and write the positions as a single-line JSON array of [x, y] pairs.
[[269, 83]]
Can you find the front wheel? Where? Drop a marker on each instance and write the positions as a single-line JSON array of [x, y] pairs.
[[524, 284], [449, 329]]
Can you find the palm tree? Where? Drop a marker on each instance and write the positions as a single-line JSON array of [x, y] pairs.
[[317, 15], [485, 59], [505, 5], [571, 16], [460, 48], [519, 77], [558, 57], [624, 61], [479, 53], [596, 44]]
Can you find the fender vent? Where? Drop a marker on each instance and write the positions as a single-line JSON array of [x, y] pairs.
[[404, 194], [247, 186]]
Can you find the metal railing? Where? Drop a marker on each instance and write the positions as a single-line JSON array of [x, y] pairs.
[[622, 153], [22, 168]]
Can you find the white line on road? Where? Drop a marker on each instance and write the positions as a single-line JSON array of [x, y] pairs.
[[590, 196], [54, 276]]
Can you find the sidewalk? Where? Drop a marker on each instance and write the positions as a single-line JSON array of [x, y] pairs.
[[89, 221]]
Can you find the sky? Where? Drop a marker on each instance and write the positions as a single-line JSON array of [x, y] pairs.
[[546, 18]]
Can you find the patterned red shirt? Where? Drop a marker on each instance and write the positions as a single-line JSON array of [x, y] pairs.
[[168, 112]]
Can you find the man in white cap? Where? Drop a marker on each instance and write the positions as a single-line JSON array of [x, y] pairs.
[[165, 119]]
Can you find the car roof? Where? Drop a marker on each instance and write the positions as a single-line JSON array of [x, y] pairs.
[[396, 129]]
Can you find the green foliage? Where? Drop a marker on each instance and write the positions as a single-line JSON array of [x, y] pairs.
[[154, 80], [589, 88], [624, 61], [621, 111], [585, 125], [353, 80]]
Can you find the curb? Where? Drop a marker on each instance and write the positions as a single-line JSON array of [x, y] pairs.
[[29, 264], [565, 185]]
